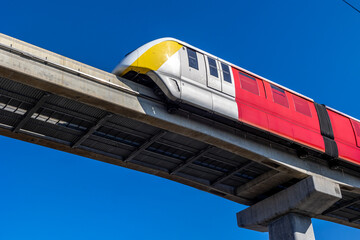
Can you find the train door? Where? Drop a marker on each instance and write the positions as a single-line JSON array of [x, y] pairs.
[[193, 79], [221, 80], [227, 80], [213, 73]]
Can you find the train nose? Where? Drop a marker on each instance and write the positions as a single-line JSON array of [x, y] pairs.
[[149, 57], [130, 61]]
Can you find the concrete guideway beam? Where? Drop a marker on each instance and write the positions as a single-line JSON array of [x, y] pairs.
[[122, 97], [309, 197], [262, 183]]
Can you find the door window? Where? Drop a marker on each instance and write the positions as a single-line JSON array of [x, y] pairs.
[[213, 68], [226, 72], [193, 61]]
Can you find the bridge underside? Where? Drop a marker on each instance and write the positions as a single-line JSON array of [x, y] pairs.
[[35, 116], [53, 106]]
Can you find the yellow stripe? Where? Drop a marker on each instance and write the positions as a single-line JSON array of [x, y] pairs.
[[154, 57]]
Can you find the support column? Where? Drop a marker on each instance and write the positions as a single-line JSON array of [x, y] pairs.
[[287, 214], [291, 226]]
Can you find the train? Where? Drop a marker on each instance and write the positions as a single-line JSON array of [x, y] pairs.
[[188, 76]]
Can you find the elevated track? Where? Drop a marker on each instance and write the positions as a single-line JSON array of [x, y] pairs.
[[51, 100]]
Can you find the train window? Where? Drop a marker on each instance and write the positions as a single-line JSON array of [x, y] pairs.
[[213, 68], [226, 72], [356, 127], [248, 83], [193, 62], [301, 105], [279, 96]]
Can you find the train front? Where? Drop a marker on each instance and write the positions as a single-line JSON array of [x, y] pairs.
[[157, 61]]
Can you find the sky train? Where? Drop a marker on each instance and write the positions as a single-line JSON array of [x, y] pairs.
[[190, 76]]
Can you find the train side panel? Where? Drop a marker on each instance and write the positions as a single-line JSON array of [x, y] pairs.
[[356, 128], [306, 125], [207, 83], [344, 136], [273, 109], [250, 99], [278, 111], [293, 116]]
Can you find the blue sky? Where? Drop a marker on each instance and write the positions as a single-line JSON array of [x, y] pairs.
[[311, 47]]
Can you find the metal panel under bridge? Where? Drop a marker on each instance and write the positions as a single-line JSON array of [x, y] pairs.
[[53, 101]]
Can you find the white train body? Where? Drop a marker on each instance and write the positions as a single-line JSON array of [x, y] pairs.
[[185, 74]]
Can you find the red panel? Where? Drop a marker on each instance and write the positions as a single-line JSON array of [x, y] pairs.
[[275, 108], [356, 127], [342, 128], [308, 137], [301, 105], [279, 96], [248, 83], [250, 101], [348, 152], [280, 126], [344, 137], [254, 97], [257, 107], [278, 111], [305, 124], [311, 121], [304, 129], [253, 116]]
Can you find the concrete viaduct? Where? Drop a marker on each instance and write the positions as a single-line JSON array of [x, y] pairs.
[[50, 100]]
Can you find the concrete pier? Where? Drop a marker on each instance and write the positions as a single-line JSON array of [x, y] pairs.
[[287, 214], [291, 226]]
